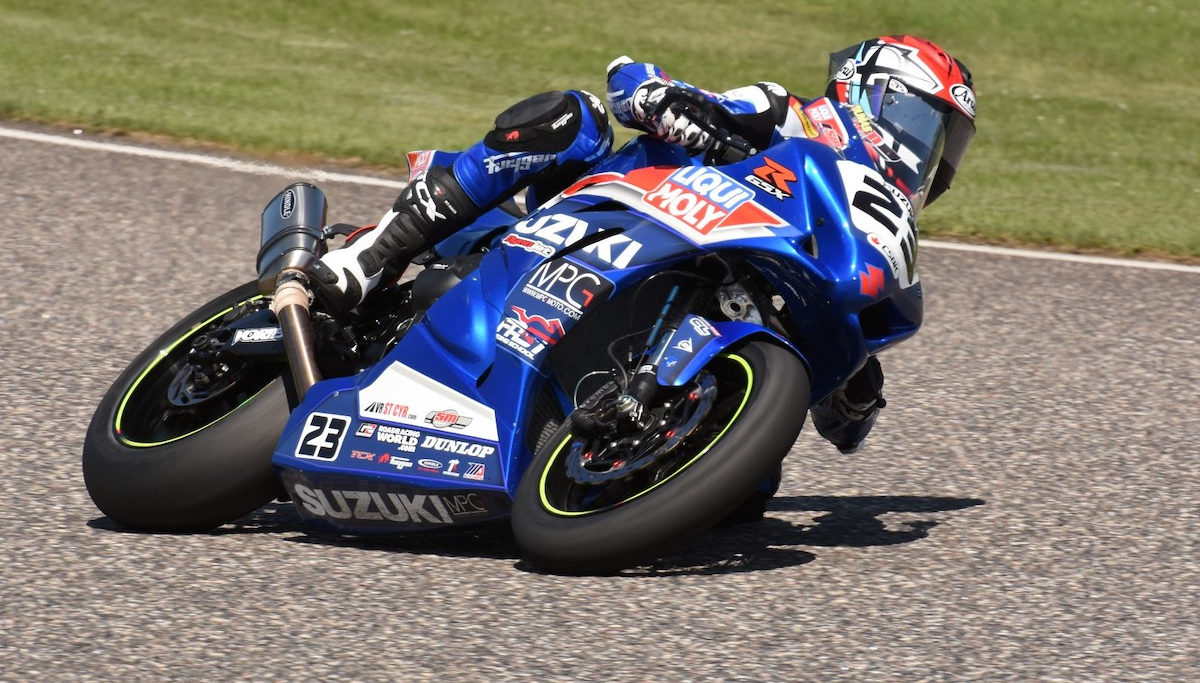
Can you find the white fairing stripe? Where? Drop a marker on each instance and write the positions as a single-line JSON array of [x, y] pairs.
[[404, 396]]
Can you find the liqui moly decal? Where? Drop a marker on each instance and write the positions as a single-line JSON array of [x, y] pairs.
[[830, 129], [698, 196], [418, 162], [699, 202]]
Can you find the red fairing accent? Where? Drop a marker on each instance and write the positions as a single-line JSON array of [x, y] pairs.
[[588, 181], [871, 282]]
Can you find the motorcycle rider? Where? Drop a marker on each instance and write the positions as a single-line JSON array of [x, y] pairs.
[[919, 100]]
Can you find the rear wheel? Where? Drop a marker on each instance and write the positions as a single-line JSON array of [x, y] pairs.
[[179, 445], [592, 504]]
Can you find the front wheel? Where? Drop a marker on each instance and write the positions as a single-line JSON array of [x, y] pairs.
[[178, 445], [595, 505]]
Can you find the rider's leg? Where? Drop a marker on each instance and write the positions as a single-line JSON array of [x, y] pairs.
[[534, 140]]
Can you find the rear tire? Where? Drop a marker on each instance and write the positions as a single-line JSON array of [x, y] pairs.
[[573, 528], [153, 466]]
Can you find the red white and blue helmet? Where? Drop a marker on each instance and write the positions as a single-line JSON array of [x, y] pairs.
[[921, 97]]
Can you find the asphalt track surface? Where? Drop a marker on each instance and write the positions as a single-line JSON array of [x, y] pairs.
[[1027, 508]]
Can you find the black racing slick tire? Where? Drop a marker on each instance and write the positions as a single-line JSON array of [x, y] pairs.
[[154, 465], [573, 517]]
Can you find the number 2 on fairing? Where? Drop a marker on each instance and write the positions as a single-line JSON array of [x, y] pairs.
[[883, 213]]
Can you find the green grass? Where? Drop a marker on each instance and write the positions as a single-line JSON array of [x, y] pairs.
[[1089, 110]]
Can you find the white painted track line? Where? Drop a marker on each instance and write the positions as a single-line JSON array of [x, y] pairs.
[[1059, 256], [252, 167], [257, 168]]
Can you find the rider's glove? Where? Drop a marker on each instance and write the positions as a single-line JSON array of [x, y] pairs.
[[672, 113]]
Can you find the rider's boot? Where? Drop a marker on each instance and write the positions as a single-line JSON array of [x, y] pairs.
[[846, 416], [430, 209]]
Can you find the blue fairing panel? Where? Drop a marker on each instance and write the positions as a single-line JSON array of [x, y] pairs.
[[698, 341]]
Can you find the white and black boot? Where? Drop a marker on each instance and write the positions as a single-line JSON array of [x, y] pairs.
[[432, 207]]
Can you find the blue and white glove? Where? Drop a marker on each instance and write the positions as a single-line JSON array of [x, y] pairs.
[[671, 114], [662, 107]]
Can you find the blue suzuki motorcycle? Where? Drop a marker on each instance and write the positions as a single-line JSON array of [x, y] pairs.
[[616, 371]]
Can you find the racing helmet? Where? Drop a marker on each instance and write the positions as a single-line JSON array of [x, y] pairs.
[[921, 100]]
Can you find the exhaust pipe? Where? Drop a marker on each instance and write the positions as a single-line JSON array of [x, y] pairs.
[[292, 227], [290, 306]]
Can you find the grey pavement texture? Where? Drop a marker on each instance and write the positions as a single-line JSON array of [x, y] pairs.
[[1027, 508]]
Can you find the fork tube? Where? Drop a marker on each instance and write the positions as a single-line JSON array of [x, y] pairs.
[[662, 317]]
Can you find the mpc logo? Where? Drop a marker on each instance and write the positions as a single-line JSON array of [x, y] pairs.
[[566, 287]]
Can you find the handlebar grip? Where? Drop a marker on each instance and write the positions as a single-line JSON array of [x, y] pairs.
[[727, 148], [724, 147]]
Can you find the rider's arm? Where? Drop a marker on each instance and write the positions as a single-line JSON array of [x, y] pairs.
[[751, 111]]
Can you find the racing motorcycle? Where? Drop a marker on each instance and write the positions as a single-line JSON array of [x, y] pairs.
[[615, 371]]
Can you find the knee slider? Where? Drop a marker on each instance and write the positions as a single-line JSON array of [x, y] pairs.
[[548, 122], [531, 111]]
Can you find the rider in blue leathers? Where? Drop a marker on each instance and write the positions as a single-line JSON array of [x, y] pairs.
[[546, 142]]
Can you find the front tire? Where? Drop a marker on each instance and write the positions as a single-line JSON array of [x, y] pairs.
[[155, 465], [612, 522]]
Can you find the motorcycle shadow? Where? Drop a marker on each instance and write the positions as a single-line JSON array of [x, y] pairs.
[[839, 521], [847, 521], [490, 539]]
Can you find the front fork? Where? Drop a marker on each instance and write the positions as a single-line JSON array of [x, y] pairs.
[[641, 390]]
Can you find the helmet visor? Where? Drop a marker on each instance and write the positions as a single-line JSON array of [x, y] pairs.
[[921, 133]]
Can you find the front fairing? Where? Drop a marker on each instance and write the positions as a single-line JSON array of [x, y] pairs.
[[836, 241]]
